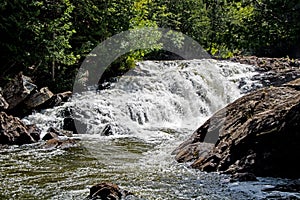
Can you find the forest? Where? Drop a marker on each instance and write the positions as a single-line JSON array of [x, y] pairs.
[[49, 39]]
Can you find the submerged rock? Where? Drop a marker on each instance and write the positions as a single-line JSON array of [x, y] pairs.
[[258, 133], [60, 143], [14, 132]]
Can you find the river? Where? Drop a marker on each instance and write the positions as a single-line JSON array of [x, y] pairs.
[[149, 112]]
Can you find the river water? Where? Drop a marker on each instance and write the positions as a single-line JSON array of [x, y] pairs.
[[149, 112]]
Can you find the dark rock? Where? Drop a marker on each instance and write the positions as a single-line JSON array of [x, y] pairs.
[[57, 99], [17, 90], [108, 191], [107, 130], [34, 132], [54, 133], [74, 125], [242, 177], [60, 143], [258, 133], [20, 97], [14, 132], [69, 124], [38, 98]]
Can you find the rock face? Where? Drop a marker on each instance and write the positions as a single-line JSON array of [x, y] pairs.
[[258, 133], [15, 132]]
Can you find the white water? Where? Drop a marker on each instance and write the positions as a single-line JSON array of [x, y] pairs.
[[155, 96], [151, 110]]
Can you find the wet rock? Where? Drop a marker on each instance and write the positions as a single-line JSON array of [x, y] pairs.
[[108, 191], [74, 125], [242, 177], [57, 99], [34, 132], [60, 143], [258, 133], [69, 124], [18, 90], [52, 133], [107, 130], [49, 136], [267, 64], [14, 132], [192, 151], [67, 133]]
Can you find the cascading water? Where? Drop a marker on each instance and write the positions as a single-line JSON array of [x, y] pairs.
[[146, 114], [155, 95]]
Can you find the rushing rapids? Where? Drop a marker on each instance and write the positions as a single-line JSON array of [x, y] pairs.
[[127, 135]]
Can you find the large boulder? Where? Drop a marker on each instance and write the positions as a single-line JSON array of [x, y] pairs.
[[38, 97], [57, 99], [14, 132], [258, 133], [17, 90]]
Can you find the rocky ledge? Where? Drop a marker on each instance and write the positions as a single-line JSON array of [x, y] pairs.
[[258, 133], [273, 71]]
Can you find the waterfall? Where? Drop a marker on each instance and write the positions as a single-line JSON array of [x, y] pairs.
[[155, 96]]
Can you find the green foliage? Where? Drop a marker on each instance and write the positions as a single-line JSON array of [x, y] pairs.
[[48, 39]]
